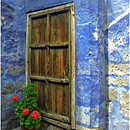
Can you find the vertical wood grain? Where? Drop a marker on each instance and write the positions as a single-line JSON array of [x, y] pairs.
[[39, 29], [60, 99], [58, 28], [47, 64], [59, 62], [66, 100]]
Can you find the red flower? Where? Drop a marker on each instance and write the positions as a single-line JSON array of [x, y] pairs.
[[35, 114], [25, 111], [14, 97]]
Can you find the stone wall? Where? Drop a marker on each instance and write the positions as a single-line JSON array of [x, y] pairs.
[[117, 65], [101, 64], [13, 32]]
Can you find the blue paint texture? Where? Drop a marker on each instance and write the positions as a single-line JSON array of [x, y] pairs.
[[13, 46], [118, 53], [13, 38], [99, 41]]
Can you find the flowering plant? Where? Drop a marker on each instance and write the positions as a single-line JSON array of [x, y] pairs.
[[27, 109]]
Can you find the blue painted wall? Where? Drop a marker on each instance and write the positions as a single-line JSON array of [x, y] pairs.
[[99, 42], [90, 17], [13, 40], [118, 55], [13, 51]]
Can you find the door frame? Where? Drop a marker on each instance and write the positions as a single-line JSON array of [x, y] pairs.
[[70, 8]]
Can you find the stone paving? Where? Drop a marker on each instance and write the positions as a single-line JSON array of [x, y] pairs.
[[18, 128]]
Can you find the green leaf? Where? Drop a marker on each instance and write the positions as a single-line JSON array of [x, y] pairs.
[[38, 125], [31, 109], [31, 126], [24, 104], [16, 108], [22, 119], [27, 123], [21, 108], [15, 104], [40, 117], [20, 115], [34, 105], [20, 102], [21, 123], [33, 121], [37, 121], [22, 94], [17, 113]]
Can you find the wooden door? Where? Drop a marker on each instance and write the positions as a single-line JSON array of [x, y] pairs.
[[50, 63]]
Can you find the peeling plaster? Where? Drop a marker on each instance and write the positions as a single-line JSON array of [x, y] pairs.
[[83, 114], [118, 18], [111, 45], [95, 35]]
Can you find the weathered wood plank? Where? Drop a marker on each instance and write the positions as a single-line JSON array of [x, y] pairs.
[[43, 45], [55, 116], [57, 123], [39, 30], [69, 55], [42, 58], [38, 77], [59, 99], [41, 98], [53, 99], [58, 30], [59, 62], [29, 49], [35, 62], [49, 11], [73, 67], [58, 80], [48, 28], [66, 63], [66, 103], [47, 64]]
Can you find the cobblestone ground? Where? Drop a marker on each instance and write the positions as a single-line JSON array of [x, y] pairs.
[[18, 128]]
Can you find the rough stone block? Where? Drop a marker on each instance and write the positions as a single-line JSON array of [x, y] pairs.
[[119, 81], [20, 85], [8, 89], [111, 94], [124, 104], [15, 69]]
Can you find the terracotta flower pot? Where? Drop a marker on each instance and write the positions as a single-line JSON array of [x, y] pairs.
[[23, 128]]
